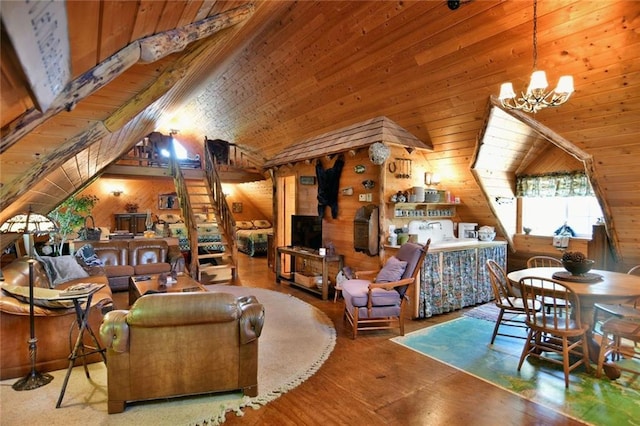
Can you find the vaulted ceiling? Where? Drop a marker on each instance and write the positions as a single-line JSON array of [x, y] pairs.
[[268, 74]]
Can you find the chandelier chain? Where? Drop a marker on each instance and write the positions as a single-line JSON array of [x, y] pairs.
[[535, 34]]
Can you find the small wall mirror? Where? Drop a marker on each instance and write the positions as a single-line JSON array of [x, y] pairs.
[[168, 201]]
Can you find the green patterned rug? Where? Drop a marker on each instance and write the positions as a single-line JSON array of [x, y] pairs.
[[463, 343]]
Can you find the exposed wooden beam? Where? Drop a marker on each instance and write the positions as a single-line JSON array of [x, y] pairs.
[[10, 192], [77, 90], [156, 46]]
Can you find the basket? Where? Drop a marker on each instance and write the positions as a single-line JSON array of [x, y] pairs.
[[89, 233]]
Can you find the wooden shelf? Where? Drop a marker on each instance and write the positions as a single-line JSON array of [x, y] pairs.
[[423, 210]]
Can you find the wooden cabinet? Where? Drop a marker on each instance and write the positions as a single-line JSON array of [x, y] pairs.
[[131, 222]]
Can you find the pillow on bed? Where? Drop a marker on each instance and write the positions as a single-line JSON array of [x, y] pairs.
[[178, 229], [169, 218], [261, 224], [244, 224]]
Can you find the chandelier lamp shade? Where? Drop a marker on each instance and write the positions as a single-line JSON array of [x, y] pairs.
[[536, 97]]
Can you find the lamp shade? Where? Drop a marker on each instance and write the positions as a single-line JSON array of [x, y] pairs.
[[538, 81], [28, 223], [565, 85], [506, 91]]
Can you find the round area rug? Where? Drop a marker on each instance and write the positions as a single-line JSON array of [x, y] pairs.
[[296, 340]]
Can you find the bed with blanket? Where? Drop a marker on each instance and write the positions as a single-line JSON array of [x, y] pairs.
[[252, 236]]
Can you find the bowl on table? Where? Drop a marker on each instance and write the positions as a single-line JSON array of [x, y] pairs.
[[578, 268]]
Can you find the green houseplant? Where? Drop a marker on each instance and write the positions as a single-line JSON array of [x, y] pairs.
[[69, 216]]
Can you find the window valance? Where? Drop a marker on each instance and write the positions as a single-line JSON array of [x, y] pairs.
[[562, 184]]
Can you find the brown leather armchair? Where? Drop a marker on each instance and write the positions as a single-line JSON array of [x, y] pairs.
[[52, 324], [175, 344]]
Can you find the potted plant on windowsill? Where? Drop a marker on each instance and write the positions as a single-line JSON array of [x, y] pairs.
[[69, 216]]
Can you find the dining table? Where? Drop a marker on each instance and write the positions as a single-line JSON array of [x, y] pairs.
[[599, 286]]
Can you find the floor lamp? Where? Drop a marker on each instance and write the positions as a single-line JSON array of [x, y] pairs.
[[32, 223]]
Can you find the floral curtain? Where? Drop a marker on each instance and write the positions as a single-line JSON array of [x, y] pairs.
[[564, 184]]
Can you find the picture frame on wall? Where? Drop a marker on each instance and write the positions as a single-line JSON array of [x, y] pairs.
[[307, 180], [236, 207]]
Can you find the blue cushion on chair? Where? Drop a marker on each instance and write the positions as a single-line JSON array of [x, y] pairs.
[[355, 294]]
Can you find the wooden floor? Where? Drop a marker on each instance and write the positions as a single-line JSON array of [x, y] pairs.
[[372, 381]]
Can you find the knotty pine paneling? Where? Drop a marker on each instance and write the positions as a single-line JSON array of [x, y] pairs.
[[294, 70], [117, 21], [83, 39], [142, 191]]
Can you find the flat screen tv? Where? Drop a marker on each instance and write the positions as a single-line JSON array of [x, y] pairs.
[[306, 231]]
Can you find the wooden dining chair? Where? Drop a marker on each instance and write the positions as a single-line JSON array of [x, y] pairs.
[[507, 301], [618, 310], [543, 262], [552, 332], [615, 333]]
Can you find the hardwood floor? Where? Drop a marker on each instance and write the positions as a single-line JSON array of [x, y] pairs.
[[373, 381]]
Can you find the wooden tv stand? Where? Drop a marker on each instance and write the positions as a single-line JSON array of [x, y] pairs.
[[313, 255]]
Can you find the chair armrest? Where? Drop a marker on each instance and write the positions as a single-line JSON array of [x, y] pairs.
[[366, 275], [114, 331], [251, 319], [393, 284]]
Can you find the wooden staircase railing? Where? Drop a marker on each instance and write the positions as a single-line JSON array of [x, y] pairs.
[[187, 211], [223, 212]]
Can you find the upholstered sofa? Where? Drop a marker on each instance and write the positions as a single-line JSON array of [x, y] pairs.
[[53, 321], [124, 258], [175, 344]]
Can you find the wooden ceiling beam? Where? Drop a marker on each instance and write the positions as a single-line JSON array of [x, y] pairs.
[[153, 48]]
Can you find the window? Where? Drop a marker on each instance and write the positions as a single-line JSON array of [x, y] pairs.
[[544, 215], [181, 152]]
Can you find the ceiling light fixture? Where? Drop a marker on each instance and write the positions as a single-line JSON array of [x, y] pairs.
[[536, 97]]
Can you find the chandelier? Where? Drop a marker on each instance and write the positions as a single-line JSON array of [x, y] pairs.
[[536, 96]]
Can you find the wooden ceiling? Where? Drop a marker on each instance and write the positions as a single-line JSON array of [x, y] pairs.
[[269, 74]]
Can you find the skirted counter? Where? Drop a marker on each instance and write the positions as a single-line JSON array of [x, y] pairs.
[[454, 276]]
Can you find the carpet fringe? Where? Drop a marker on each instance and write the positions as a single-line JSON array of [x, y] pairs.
[[260, 400]]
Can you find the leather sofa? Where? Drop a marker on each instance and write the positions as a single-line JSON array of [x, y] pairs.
[[52, 324], [124, 258], [175, 344]]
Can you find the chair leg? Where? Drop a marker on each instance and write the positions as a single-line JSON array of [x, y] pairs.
[[604, 348], [565, 360], [495, 328], [526, 348], [355, 323]]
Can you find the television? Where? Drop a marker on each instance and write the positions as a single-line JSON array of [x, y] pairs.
[[306, 231]]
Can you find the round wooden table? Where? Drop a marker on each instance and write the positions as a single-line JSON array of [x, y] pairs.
[[614, 287]]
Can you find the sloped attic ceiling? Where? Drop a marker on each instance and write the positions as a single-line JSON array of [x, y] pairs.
[[289, 71]]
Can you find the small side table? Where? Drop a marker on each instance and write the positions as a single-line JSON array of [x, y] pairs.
[[80, 350]]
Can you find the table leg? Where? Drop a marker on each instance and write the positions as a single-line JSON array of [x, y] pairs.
[[82, 318]]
